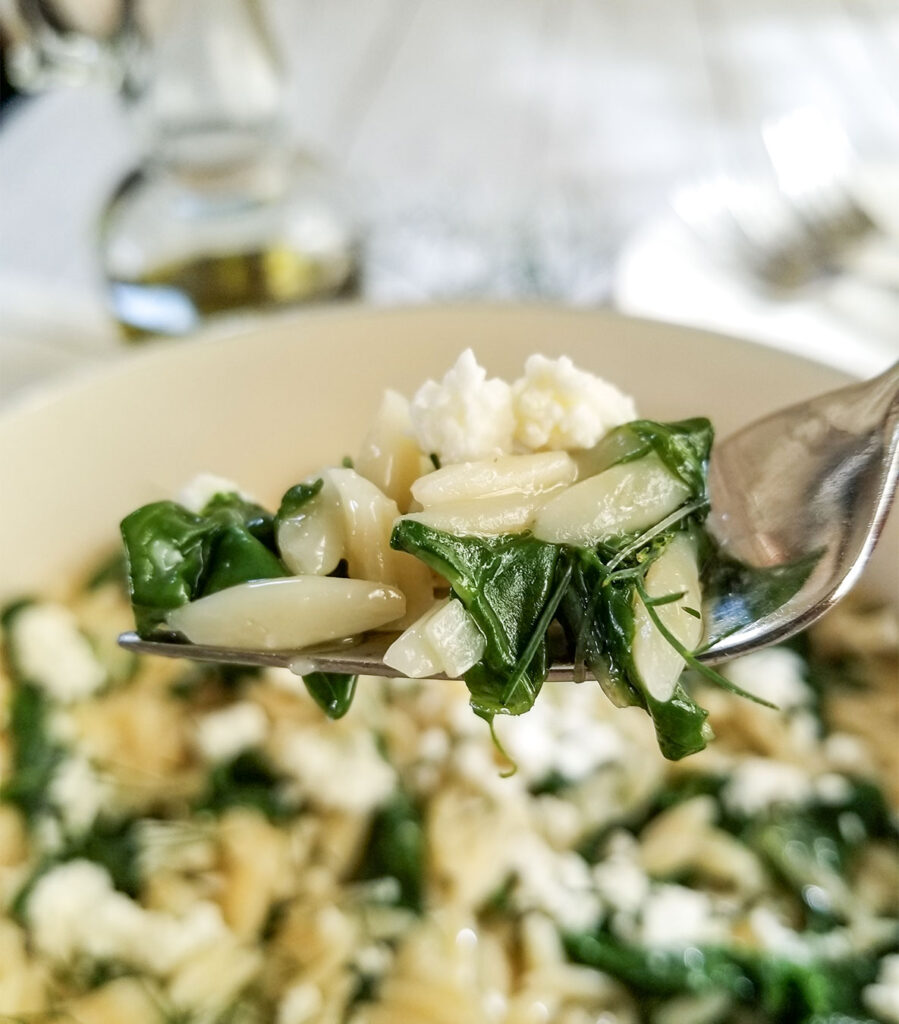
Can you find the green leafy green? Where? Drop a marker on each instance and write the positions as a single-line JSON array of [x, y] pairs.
[[175, 556], [511, 586], [396, 849], [297, 498], [815, 991], [331, 691], [514, 587], [811, 847], [36, 755], [684, 448], [247, 780], [110, 842], [232, 509], [735, 594], [238, 557], [111, 570]]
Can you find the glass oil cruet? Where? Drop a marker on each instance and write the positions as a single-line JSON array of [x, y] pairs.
[[222, 214]]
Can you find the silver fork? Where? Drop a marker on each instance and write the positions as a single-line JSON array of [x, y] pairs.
[[816, 479], [799, 225]]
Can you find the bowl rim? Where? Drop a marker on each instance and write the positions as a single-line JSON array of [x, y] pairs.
[[124, 360]]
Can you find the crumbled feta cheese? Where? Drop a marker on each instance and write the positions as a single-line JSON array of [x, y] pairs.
[[882, 998], [559, 406], [223, 734], [758, 783], [775, 674], [52, 653], [776, 937], [561, 737], [196, 494], [373, 959], [620, 881], [78, 793], [338, 769], [299, 1004], [464, 416], [556, 882], [675, 916], [832, 788], [74, 910], [847, 753]]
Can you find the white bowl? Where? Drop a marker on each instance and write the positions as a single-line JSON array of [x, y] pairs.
[[265, 404]]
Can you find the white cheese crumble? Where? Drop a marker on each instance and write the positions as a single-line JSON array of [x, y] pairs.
[[775, 674], [196, 494], [53, 653], [79, 794], [675, 916], [882, 998], [222, 735], [300, 1004], [338, 769], [757, 784], [558, 405], [557, 882], [772, 934], [560, 737], [618, 877], [465, 416], [74, 910]]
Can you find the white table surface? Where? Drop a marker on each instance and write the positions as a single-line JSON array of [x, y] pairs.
[[495, 149]]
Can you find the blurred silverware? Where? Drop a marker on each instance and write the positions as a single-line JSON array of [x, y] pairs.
[[799, 222]]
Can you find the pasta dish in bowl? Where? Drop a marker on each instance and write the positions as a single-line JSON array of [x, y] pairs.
[[190, 843]]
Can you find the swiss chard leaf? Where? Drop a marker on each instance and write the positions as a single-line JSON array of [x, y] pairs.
[[511, 586], [331, 691]]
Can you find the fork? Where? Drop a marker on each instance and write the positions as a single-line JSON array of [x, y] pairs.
[[815, 479], [799, 226]]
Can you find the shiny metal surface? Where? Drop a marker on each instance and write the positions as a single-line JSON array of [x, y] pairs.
[[816, 477]]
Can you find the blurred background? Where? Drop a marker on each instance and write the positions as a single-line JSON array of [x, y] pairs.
[[732, 164]]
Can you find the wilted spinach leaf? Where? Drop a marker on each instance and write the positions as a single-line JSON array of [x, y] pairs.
[[683, 447], [396, 849], [175, 556], [35, 754], [247, 780], [331, 691], [297, 498], [511, 585], [814, 991]]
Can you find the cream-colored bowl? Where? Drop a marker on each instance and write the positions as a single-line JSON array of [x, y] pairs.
[[267, 403]]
